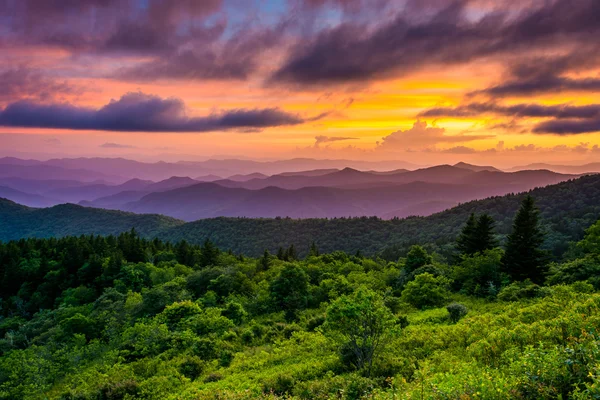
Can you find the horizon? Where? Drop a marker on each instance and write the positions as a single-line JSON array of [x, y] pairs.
[[426, 83]]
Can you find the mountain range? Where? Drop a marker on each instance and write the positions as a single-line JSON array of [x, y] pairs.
[[575, 201], [317, 193]]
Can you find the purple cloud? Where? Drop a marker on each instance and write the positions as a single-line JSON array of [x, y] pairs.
[[357, 52], [138, 112], [565, 119], [560, 111], [22, 82]]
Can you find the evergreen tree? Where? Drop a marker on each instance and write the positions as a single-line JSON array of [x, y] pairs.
[[210, 254], [477, 235], [484, 234], [265, 261], [465, 243], [280, 253], [417, 257], [291, 253], [314, 251], [523, 258]]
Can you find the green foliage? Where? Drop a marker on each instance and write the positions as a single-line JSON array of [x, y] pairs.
[[456, 311], [289, 290], [426, 291], [126, 317], [517, 291], [417, 257], [362, 324], [465, 243], [479, 274], [524, 258], [591, 243]]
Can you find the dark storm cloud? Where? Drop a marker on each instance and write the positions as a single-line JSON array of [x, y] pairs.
[[138, 112], [353, 52]]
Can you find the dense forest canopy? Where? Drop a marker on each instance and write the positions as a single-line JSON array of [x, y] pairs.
[[125, 317]]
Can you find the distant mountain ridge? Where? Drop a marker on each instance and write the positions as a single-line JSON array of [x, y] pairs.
[[575, 201]]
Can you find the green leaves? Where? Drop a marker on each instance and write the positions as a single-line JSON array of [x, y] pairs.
[[362, 325], [426, 291]]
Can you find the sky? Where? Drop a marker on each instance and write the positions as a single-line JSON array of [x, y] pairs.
[[500, 82]]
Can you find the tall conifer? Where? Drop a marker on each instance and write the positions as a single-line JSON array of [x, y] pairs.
[[523, 258]]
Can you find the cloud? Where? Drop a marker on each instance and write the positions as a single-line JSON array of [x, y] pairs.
[[549, 74], [329, 139], [566, 119], [117, 146], [422, 136], [450, 35], [84, 25], [22, 82], [581, 148], [569, 127], [559, 111], [459, 150], [138, 112]]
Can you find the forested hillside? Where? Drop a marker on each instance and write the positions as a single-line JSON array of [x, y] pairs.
[[17, 221], [123, 317], [568, 208]]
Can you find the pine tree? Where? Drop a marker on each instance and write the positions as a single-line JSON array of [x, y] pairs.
[[265, 261], [465, 243], [209, 254], [484, 234], [281, 253], [314, 251], [292, 254], [523, 258]]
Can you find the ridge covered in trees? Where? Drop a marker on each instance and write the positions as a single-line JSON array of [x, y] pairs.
[[566, 210], [125, 317]]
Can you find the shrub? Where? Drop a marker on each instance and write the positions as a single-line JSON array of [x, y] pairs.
[[426, 291], [456, 311], [522, 290], [214, 377], [280, 385], [191, 367]]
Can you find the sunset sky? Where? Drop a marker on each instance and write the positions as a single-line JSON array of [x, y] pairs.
[[425, 81]]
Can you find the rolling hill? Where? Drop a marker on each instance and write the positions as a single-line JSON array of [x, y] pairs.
[[17, 221]]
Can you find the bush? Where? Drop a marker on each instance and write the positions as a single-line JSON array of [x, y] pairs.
[[456, 311], [280, 385], [191, 367], [521, 290], [214, 377], [426, 291]]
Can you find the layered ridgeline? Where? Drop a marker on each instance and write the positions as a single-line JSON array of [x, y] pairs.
[[319, 193], [567, 208]]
